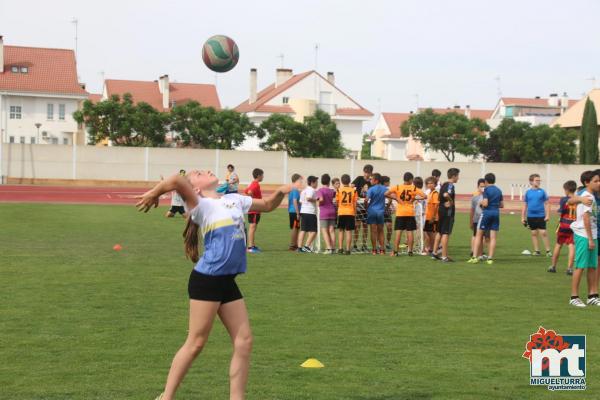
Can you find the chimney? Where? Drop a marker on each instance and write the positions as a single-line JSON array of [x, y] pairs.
[[282, 75], [564, 103], [163, 88], [331, 78], [553, 100], [468, 111], [1, 55], [252, 98]]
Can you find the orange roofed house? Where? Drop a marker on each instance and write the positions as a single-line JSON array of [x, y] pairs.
[[388, 142], [162, 94], [301, 95], [39, 91]]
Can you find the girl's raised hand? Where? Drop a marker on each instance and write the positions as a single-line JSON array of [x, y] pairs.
[[147, 200]]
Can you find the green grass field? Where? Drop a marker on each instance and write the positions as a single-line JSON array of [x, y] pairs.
[[81, 321]]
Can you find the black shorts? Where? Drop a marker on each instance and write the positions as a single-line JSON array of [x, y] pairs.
[[253, 218], [308, 222], [445, 224], [220, 288], [430, 226], [177, 210], [536, 223], [405, 224], [294, 221], [346, 223], [486, 234]]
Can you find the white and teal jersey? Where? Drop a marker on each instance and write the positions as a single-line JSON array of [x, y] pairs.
[[221, 223]]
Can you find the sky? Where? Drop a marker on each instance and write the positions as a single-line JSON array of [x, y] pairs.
[[389, 56]]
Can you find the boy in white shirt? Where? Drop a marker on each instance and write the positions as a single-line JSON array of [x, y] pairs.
[[585, 234], [308, 215]]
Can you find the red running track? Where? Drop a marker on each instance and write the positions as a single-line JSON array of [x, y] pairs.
[[71, 194]]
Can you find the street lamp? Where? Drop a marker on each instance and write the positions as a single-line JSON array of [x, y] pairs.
[[38, 126]]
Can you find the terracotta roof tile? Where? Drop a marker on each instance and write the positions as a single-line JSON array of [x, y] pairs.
[[393, 121], [353, 111], [95, 98], [49, 71], [475, 113], [148, 92]]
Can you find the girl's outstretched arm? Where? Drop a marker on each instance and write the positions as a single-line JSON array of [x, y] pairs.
[[272, 202], [176, 182]]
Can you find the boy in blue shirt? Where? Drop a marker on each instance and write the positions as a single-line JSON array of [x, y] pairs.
[[294, 211], [536, 213], [490, 219], [375, 204]]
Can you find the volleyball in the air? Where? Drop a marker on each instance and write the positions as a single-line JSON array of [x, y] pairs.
[[220, 53]]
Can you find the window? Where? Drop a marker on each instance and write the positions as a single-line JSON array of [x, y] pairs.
[[11, 139], [32, 140], [54, 140], [15, 112], [24, 70], [14, 69], [286, 100], [61, 112], [22, 140], [50, 112], [65, 141]]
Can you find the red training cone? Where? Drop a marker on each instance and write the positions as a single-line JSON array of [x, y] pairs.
[[117, 247]]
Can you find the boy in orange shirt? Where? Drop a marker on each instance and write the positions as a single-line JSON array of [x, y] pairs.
[[405, 195], [431, 213], [346, 198]]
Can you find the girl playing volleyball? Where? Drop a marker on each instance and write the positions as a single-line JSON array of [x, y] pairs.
[[212, 288]]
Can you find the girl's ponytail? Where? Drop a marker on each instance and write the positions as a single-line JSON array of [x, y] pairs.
[[190, 236]]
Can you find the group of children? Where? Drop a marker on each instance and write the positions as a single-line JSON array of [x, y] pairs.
[[365, 206]]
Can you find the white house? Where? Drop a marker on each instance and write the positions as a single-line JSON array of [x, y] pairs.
[[388, 142], [536, 111], [39, 91], [299, 96]]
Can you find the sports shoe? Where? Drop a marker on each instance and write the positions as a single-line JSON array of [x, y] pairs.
[[293, 248], [446, 260], [253, 249], [388, 247], [576, 302], [374, 252], [304, 249], [594, 301], [364, 249], [548, 253], [473, 260], [410, 253], [552, 269], [537, 253], [347, 252], [341, 251], [489, 261], [570, 271], [435, 257], [483, 257], [355, 250]]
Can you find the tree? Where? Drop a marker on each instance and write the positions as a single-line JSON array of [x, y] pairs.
[[588, 138], [208, 128], [318, 136], [283, 134], [122, 122], [519, 142], [449, 133], [322, 138]]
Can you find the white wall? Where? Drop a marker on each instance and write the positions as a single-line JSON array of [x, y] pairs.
[[34, 110], [351, 132], [396, 150]]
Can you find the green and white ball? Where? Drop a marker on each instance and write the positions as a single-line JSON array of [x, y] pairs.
[[220, 53]]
